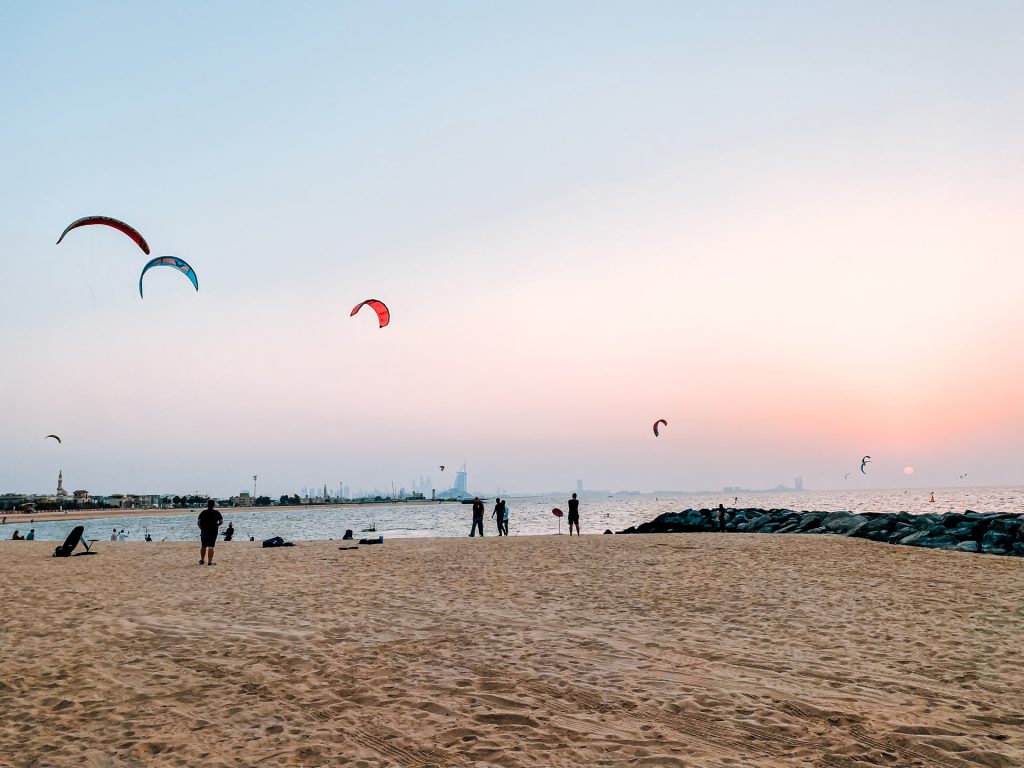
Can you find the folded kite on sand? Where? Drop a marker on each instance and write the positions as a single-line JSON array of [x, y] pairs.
[[73, 540]]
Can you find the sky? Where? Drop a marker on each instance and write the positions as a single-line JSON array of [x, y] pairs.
[[790, 229]]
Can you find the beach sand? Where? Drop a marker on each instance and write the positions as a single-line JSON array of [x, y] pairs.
[[666, 650]]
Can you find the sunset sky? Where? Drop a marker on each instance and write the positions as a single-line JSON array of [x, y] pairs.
[[792, 229]]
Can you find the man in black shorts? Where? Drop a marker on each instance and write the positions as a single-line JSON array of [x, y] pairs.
[[574, 514], [209, 521]]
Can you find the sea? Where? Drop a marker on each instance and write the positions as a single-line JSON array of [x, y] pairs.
[[528, 515]]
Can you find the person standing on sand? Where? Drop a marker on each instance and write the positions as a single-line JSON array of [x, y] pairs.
[[496, 514], [721, 518], [209, 521], [504, 515], [478, 517], [574, 514]]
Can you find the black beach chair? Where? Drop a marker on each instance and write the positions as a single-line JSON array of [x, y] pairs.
[[73, 540]]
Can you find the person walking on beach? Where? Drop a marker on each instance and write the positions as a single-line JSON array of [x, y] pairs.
[[504, 515], [496, 515], [209, 521], [574, 514], [721, 518], [478, 517]]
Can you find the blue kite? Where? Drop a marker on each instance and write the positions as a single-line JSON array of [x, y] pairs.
[[170, 261]]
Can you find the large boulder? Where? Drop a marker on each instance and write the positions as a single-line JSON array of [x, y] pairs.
[[809, 520], [996, 543], [969, 546], [841, 522], [913, 539], [1009, 526]]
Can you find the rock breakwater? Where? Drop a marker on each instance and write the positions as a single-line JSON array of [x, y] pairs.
[[988, 533]]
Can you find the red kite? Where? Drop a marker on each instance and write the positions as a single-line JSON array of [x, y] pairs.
[[383, 315], [120, 226]]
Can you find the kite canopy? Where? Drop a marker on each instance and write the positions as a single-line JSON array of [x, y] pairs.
[[170, 261], [120, 226], [55, 437], [383, 315], [556, 512], [863, 463], [659, 421], [442, 467]]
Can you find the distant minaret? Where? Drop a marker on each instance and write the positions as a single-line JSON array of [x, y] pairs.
[[60, 483]]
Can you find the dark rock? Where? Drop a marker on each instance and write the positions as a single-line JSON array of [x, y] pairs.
[[607, 531], [1007, 526], [1000, 534], [841, 522], [996, 542], [810, 520]]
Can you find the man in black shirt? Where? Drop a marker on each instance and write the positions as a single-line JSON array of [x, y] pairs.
[[478, 517], [209, 521], [574, 514]]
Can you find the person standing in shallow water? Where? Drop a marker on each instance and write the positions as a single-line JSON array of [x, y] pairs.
[[574, 514], [209, 521], [478, 517]]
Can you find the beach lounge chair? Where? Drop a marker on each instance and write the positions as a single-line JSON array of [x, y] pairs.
[[73, 540]]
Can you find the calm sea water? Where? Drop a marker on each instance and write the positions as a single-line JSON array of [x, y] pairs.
[[529, 516]]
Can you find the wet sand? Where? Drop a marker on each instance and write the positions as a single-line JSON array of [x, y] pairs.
[[667, 650]]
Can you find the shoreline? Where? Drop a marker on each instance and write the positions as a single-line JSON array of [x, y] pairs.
[[103, 514]]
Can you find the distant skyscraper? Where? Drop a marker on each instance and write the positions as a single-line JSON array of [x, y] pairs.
[[798, 483], [579, 486], [460, 481]]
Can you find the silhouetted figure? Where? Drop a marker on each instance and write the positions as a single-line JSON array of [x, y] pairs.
[[209, 521], [478, 517], [574, 514], [17, 537], [504, 515], [229, 532], [721, 518], [496, 514]]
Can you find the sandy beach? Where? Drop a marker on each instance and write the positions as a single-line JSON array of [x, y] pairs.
[[666, 650]]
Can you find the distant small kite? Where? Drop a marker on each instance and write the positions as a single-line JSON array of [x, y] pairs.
[[120, 226], [442, 467], [383, 315], [963, 476], [170, 261], [659, 421], [863, 463], [55, 437], [846, 476]]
